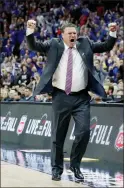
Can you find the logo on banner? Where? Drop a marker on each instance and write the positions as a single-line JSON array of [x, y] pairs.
[[21, 124], [100, 134], [44, 119], [93, 122], [119, 139]]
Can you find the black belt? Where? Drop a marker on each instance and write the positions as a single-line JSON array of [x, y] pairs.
[[71, 93]]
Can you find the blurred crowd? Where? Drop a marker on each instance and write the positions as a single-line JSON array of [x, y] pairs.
[[21, 68]]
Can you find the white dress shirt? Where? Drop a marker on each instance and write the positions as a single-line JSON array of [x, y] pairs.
[[79, 74]]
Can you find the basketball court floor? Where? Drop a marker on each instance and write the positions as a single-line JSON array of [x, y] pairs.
[[32, 168]]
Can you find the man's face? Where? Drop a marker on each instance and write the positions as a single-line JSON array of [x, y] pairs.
[[27, 92], [16, 96], [22, 90], [11, 94], [121, 85], [97, 65], [70, 36], [4, 93]]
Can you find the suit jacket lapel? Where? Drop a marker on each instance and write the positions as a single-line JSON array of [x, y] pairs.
[[78, 45], [80, 50], [60, 51]]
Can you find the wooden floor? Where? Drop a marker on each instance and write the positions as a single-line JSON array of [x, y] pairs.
[[17, 176]]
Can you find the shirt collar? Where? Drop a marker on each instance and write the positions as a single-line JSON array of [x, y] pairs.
[[66, 47]]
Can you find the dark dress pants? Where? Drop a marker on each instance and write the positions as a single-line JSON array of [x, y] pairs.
[[63, 107]]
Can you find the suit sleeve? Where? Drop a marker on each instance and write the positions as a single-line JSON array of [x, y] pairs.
[[100, 47], [37, 46]]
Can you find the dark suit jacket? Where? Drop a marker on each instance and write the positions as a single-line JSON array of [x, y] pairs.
[[54, 49]]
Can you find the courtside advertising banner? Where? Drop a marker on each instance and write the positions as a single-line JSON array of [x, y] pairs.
[[29, 126]]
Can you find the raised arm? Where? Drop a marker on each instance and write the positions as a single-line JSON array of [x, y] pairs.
[[99, 47], [34, 45]]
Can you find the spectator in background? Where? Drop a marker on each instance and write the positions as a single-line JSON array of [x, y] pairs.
[[4, 94], [10, 96], [24, 76], [100, 9], [17, 96], [8, 79], [28, 94], [120, 93], [101, 73], [110, 91], [121, 69], [21, 90], [34, 81]]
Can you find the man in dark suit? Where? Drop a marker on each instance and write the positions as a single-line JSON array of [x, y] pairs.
[[69, 74]]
